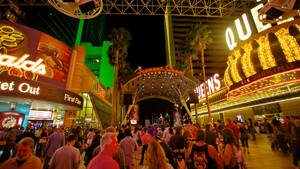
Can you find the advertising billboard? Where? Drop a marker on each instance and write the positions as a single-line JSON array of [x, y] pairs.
[[10, 115], [11, 86], [31, 54], [40, 115], [11, 119]]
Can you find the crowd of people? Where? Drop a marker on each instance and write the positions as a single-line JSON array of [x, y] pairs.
[[188, 146]]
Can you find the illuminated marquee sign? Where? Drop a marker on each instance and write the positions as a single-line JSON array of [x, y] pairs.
[[277, 79], [213, 84], [23, 87], [230, 38], [22, 63], [11, 86], [158, 69]]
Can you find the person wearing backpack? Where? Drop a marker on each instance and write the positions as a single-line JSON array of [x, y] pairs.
[[204, 156], [230, 151]]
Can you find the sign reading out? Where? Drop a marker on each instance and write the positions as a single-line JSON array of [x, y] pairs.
[[21, 88], [212, 84]]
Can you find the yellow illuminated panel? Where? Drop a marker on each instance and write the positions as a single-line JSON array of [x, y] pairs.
[[227, 79], [288, 44], [247, 65], [234, 72], [229, 60], [265, 55], [297, 26]]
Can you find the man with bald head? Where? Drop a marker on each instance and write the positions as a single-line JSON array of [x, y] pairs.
[[109, 146]]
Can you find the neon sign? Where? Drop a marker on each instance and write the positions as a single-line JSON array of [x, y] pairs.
[[22, 63], [230, 38], [23, 87], [72, 99], [213, 84], [11, 86], [158, 69], [287, 77]]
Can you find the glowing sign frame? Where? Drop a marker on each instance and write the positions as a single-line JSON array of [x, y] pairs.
[[241, 91], [159, 69], [231, 43], [211, 87], [22, 63]]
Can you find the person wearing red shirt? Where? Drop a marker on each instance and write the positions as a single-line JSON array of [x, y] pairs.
[[234, 128], [109, 146]]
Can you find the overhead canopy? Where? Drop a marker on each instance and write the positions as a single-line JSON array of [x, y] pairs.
[[103, 111], [164, 83]]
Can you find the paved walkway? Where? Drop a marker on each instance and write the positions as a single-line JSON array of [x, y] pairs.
[[261, 156]]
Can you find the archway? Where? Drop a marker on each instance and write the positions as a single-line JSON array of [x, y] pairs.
[[163, 83]]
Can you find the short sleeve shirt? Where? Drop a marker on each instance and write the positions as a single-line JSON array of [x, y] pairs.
[[103, 161], [66, 157]]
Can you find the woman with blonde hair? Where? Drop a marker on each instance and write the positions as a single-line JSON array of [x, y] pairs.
[[156, 158]]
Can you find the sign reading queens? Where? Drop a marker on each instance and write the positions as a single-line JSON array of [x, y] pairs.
[[30, 54]]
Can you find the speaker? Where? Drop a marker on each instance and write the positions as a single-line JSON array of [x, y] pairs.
[[127, 99], [193, 98], [86, 5]]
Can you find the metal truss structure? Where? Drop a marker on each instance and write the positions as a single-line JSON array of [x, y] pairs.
[[200, 8]]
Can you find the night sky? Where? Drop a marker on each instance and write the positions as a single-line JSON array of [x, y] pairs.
[[147, 49]]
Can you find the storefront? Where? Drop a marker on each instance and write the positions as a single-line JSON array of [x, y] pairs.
[[34, 70], [96, 111], [262, 78]]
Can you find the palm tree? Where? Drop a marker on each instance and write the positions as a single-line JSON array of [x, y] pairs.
[[182, 65], [188, 53], [196, 41], [119, 37]]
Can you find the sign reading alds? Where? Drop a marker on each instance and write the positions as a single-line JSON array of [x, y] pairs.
[[22, 63], [15, 87]]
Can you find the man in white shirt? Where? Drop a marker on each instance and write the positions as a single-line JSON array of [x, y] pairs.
[[129, 147], [66, 157]]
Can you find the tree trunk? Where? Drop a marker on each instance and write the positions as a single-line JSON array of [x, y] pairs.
[[191, 66], [114, 101], [205, 87]]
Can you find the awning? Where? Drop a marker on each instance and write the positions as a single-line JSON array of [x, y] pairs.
[[103, 111]]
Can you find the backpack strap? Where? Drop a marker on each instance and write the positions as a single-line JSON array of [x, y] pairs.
[[233, 161]]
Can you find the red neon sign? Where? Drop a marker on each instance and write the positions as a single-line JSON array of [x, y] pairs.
[[158, 69]]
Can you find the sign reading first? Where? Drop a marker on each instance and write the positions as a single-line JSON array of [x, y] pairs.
[[22, 63]]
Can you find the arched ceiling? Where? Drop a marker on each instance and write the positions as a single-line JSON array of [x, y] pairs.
[[164, 83]]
